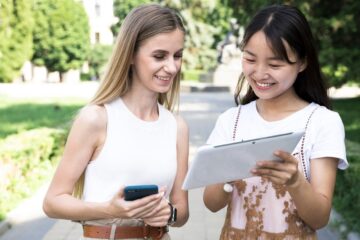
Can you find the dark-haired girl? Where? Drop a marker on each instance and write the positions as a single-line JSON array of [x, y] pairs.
[[285, 93]]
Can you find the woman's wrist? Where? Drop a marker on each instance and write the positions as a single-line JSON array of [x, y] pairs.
[[106, 209], [295, 182]]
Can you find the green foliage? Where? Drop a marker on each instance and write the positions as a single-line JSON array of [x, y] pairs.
[[61, 35], [336, 26], [99, 55], [28, 150], [198, 53], [16, 25], [27, 159], [201, 23], [191, 75], [349, 111], [347, 195]]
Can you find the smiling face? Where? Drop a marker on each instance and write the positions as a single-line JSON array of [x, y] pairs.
[[269, 76], [157, 61]]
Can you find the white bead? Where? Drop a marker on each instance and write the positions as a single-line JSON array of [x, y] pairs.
[[228, 188]]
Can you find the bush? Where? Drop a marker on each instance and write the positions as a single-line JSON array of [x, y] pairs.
[[26, 160]]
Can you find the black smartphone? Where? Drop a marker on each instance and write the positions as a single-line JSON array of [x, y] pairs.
[[134, 192]]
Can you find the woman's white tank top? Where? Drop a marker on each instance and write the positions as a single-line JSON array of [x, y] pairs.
[[135, 152]]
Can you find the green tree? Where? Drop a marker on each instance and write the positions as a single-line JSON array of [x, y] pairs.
[[203, 21], [336, 27], [61, 35], [16, 24], [98, 57]]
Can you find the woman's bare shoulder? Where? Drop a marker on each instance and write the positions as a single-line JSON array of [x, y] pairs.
[[93, 117]]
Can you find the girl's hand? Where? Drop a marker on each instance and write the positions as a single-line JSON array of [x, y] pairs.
[[140, 208], [284, 172]]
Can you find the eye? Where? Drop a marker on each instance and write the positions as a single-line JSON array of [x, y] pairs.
[[159, 57], [178, 56], [249, 60], [274, 65]]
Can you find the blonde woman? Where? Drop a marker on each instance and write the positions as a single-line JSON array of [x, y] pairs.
[[128, 135]]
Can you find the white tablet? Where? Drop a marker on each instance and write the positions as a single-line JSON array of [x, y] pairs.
[[233, 161]]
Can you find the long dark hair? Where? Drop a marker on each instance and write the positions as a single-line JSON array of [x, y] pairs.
[[282, 22]]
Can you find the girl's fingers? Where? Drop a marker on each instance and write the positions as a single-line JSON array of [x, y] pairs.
[[143, 210], [285, 156], [279, 177]]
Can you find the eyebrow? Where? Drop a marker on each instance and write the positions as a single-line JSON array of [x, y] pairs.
[[271, 58], [164, 51]]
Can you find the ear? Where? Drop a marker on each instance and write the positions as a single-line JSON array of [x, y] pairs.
[[303, 65]]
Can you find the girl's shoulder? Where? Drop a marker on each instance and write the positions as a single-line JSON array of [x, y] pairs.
[[325, 121], [325, 114]]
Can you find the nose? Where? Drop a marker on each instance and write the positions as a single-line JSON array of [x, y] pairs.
[[260, 72], [171, 66]]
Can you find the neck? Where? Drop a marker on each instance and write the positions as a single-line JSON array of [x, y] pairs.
[[143, 106], [279, 108]]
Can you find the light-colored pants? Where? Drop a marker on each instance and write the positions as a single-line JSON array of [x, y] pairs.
[[119, 222]]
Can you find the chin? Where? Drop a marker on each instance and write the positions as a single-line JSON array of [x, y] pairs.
[[163, 89]]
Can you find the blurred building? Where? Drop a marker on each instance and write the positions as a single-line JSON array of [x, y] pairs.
[[101, 18]]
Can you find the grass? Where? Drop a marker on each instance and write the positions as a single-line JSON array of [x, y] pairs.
[[21, 115]]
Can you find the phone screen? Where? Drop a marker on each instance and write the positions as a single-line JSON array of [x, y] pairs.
[[139, 191]]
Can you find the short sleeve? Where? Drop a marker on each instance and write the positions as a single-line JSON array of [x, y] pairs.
[[223, 128], [330, 139]]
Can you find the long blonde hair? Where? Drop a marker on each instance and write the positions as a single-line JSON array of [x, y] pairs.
[[140, 24]]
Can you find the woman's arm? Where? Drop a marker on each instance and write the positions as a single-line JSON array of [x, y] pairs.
[[85, 137], [179, 197], [84, 142], [314, 200]]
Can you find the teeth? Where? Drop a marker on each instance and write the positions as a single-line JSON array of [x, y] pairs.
[[264, 84], [163, 78]]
